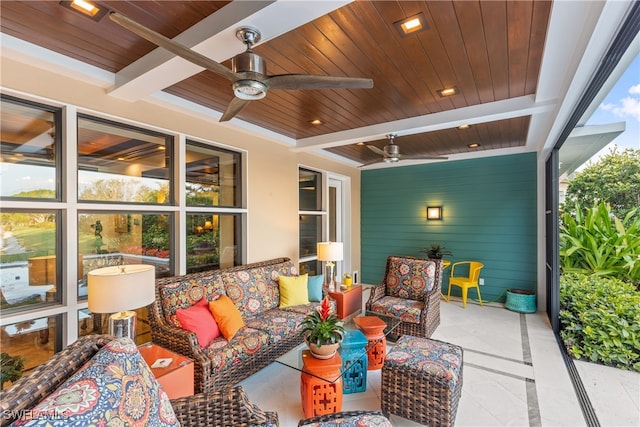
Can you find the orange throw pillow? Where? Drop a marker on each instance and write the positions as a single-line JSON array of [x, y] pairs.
[[227, 316]]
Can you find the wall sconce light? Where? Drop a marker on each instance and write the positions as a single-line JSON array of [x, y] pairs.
[[434, 212]]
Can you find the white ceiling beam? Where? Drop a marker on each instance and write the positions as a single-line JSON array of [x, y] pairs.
[[499, 110], [215, 37]]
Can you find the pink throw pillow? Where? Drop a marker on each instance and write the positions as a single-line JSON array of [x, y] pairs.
[[198, 319]]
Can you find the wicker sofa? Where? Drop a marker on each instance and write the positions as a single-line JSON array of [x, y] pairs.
[[269, 331], [120, 391]]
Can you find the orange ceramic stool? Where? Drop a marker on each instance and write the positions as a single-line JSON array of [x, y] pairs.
[[373, 329], [320, 397]]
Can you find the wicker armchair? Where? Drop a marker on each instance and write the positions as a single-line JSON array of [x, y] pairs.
[[223, 407], [410, 291]]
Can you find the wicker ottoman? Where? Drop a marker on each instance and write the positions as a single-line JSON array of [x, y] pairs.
[[347, 419], [422, 381]]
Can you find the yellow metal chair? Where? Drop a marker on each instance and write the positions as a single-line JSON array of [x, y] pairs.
[[465, 282]]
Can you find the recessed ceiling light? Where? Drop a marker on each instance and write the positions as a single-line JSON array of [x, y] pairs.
[[86, 7], [316, 122], [361, 143], [474, 145], [162, 147], [449, 91], [462, 127], [412, 25]]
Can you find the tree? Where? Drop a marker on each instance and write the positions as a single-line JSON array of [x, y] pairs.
[[614, 179]]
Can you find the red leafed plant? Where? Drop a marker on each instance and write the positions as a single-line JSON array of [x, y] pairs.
[[322, 326]]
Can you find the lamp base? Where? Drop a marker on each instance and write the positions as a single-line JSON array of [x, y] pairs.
[[123, 324], [329, 276]]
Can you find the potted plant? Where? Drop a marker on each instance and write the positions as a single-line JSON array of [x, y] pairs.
[[436, 250], [323, 331]]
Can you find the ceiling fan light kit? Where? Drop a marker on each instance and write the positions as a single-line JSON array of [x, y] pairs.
[[249, 90]]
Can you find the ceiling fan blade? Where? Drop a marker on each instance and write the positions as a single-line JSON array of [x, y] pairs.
[[235, 106], [420, 157], [376, 150], [311, 81], [172, 46]]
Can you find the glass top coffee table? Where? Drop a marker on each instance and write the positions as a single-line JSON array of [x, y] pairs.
[[294, 358]]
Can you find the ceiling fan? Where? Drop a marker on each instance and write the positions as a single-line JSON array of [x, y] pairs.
[[248, 72], [391, 153]]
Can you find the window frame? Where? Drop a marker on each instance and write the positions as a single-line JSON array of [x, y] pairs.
[[68, 305]]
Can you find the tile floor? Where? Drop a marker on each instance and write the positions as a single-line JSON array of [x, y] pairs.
[[514, 375]]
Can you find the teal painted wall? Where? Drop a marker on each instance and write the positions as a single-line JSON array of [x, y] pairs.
[[489, 210]]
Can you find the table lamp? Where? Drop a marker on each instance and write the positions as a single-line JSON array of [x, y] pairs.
[[330, 252], [119, 290]]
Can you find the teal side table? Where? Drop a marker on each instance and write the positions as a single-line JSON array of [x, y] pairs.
[[354, 362]]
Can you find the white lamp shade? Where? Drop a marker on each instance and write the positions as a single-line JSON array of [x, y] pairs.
[[121, 288], [330, 251]]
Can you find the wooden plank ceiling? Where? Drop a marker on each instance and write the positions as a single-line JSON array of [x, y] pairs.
[[489, 50]]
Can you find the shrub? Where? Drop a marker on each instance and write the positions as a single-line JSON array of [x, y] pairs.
[[600, 320], [597, 242]]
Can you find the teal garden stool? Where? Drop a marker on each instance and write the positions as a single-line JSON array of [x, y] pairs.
[[354, 362]]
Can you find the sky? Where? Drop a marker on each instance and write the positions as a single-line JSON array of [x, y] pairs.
[[622, 104]]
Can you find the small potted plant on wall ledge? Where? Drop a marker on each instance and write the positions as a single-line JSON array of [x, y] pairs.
[[436, 250]]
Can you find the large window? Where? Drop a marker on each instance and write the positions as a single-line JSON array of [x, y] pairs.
[[213, 175], [212, 182], [28, 261], [30, 141], [131, 205], [212, 241], [119, 163], [31, 342], [107, 239], [311, 219]]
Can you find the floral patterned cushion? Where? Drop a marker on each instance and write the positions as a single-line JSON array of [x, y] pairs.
[[185, 293], [115, 388], [256, 290], [348, 419], [406, 309], [437, 358], [244, 344], [409, 278], [277, 323]]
